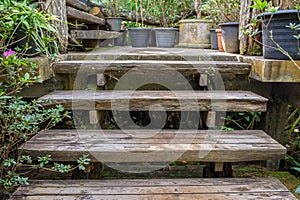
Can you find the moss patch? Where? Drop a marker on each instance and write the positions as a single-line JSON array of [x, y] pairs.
[[290, 181]]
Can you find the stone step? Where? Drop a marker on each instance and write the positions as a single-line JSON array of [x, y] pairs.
[[181, 189], [159, 100], [167, 54], [144, 66], [132, 146]]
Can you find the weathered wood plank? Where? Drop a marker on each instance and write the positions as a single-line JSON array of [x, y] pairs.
[[78, 5], [270, 70], [161, 66], [113, 145], [169, 100], [233, 189], [73, 13], [94, 34]]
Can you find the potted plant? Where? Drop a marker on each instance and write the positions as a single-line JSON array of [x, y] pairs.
[[280, 31], [195, 32], [281, 34], [226, 15]]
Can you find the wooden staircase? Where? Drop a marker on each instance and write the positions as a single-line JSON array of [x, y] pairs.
[[135, 147]]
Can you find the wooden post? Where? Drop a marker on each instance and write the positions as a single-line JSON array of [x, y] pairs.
[[58, 8]]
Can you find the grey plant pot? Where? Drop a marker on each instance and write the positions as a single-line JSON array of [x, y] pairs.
[[230, 37], [139, 37], [213, 39], [165, 37], [120, 41], [114, 23], [282, 35], [152, 39]]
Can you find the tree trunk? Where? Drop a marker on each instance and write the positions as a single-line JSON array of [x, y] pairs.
[[285, 4], [58, 8]]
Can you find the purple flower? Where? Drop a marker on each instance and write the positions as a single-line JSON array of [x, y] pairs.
[[9, 52]]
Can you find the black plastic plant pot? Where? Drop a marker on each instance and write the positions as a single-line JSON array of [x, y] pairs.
[[139, 37], [213, 39], [230, 37], [165, 37], [281, 34], [114, 23]]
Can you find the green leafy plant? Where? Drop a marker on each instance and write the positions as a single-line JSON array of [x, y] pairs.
[[220, 11], [241, 121], [20, 119], [24, 25]]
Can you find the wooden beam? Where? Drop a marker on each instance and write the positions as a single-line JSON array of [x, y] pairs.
[[96, 11], [219, 166], [143, 100], [73, 13], [101, 80], [78, 5], [94, 34]]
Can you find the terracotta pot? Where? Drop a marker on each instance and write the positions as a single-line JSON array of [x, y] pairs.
[[220, 45]]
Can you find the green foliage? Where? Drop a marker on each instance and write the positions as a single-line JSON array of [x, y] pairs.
[[241, 120], [220, 11], [22, 22], [165, 13], [292, 142], [20, 119]]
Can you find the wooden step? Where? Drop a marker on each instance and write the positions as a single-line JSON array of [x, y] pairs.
[[186, 145], [94, 34], [181, 189], [160, 66], [127, 53], [147, 99]]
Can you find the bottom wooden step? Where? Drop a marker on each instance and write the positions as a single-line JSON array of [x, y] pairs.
[[231, 189]]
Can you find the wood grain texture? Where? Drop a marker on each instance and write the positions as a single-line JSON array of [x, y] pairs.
[[94, 34], [78, 5], [191, 67], [73, 13], [148, 100], [155, 146], [182, 189]]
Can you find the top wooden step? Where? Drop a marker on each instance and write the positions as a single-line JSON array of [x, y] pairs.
[[234, 101], [167, 54]]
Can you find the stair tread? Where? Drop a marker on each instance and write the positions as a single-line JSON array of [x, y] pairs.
[[188, 188], [185, 145], [147, 99], [127, 53], [101, 66]]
